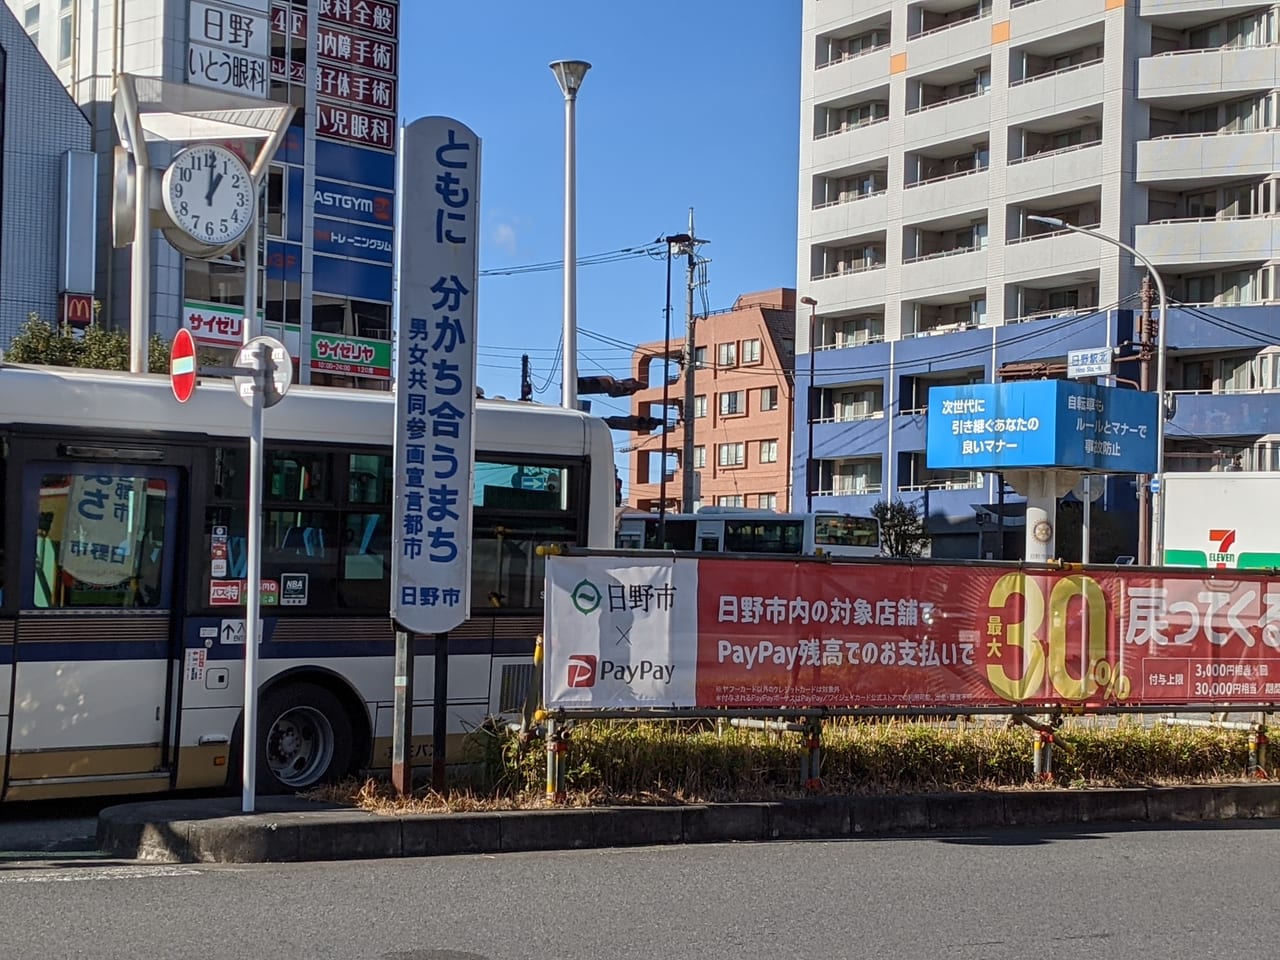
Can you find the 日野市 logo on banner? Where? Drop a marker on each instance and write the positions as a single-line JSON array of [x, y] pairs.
[[620, 632]]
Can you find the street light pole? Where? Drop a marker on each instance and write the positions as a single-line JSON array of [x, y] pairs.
[[666, 406], [1157, 495], [809, 477], [569, 73]]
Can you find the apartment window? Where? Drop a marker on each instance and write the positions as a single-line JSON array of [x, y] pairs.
[[731, 454], [727, 354], [767, 501], [1201, 289], [31, 22], [699, 358], [730, 500], [733, 403], [700, 406], [699, 457], [64, 30], [769, 398], [750, 351], [277, 179], [768, 451]]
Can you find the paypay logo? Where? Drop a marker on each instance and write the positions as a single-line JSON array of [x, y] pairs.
[[582, 670]]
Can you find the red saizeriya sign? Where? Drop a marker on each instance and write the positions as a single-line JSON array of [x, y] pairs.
[[792, 634]]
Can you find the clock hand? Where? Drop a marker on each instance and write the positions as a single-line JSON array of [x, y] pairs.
[[213, 188], [208, 195]]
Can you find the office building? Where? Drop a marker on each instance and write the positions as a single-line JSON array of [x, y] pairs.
[[742, 409], [328, 200], [933, 131], [46, 168]]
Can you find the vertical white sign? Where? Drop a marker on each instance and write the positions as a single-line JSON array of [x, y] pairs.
[[437, 193]]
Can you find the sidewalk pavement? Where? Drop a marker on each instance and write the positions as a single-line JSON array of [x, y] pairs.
[[286, 829]]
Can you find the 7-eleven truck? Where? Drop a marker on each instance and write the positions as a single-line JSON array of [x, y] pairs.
[[1222, 520]]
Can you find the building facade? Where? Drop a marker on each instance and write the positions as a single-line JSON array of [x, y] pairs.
[[42, 130], [742, 409], [933, 132], [328, 201]]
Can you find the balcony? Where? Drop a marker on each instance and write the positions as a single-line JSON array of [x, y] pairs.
[[1204, 414], [1201, 9], [1185, 77], [966, 116], [850, 145], [1204, 157], [859, 214], [1188, 244], [856, 72], [863, 285], [959, 267], [1061, 169], [1057, 91], [1028, 18], [1051, 253], [965, 190], [955, 35]]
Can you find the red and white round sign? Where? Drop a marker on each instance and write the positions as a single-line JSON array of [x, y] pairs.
[[182, 365]]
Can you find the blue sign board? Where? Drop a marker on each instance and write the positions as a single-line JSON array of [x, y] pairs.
[[1042, 423], [340, 277], [346, 201], [344, 239], [339, 161]]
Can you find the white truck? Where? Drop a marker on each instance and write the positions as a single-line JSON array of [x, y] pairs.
[[1222, 520]]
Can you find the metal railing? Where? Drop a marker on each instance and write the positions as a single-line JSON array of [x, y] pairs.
[[941, 254], [980, 15], [851, 492], [853, 199], [941, 329], [852, 418], [1222, 49], [846, 56], [1054, 73], [1214, 133], [849, 128], [847, 271], [1049, 233], [851, 342], [1052, 153], [942, 103], [945, 176]]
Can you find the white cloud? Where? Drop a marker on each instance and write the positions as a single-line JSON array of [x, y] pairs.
[[504, 237]]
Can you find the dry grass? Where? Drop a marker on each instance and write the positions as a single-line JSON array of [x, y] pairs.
[[620, 762]]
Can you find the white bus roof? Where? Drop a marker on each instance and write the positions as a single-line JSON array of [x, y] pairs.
[[99, 399]]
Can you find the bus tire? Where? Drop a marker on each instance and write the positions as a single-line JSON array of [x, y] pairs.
[[304, 738]]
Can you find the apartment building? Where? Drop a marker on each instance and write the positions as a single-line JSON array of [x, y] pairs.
[[328, 202], [742, 409], [933, 132]]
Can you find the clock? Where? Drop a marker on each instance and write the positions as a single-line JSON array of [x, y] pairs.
[[1042, 531], [210, 197]]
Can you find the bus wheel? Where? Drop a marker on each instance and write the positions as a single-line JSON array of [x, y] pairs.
[[304, 738]]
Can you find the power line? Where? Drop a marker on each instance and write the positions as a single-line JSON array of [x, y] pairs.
[[611, 256]]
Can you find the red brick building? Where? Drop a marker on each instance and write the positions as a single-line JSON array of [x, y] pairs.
[[742, 414]]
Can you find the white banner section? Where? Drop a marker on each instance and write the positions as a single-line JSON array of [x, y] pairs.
[[620, 632]]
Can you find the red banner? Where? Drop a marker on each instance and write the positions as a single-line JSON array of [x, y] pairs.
[[337, 43], [355, 126], [774, 634], [375, 16], [339, 83]]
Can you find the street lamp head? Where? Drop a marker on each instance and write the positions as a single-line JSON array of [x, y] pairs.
[[1057, 222], [569, 73], [809, 301]]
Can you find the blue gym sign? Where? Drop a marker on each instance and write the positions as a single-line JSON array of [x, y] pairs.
[[1042, 424]]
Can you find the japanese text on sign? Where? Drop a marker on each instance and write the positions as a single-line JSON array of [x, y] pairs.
[[435, 374], [225, 70]]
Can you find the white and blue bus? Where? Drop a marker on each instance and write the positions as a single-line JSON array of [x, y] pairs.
[[121, 614], [742, 530]]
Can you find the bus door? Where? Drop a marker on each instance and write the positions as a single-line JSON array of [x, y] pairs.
[[710, 536], [93, 645]]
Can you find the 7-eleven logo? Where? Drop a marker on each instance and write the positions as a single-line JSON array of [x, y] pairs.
[[1225, 540]]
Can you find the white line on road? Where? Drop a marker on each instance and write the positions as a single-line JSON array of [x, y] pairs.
[[95, 873]]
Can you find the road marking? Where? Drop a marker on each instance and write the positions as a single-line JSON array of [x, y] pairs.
[[66, 874]]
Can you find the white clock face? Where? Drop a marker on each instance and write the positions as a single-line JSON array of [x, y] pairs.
[[208, 195]]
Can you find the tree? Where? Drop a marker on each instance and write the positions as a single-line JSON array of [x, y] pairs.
[[902, 530], [97, 348]]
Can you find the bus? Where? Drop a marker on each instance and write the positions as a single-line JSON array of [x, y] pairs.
[[121, 605], [741, 530]]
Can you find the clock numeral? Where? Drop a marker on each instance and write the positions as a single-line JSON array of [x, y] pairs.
[[184, 174], [182, 208], [235, 182], [242, 200], [208, 228], [177, 189]]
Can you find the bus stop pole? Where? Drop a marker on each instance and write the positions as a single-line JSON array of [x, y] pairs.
[[252, 585]]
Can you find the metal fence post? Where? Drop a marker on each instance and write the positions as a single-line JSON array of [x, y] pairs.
[[1043, 761], [813, 771], [1258, 751], [557, 747]]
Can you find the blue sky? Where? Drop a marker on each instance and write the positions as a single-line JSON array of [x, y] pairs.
[[686, 104]]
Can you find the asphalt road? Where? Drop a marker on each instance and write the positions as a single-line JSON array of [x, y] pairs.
[[1196, 892]]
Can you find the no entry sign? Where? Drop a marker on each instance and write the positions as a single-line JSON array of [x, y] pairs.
[[182, 365]]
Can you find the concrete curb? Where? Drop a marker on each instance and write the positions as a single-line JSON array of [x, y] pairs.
[[290, 830]]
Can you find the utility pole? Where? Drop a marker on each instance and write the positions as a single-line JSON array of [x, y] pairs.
[[1144, 383], [686, 455], [526, 379]]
